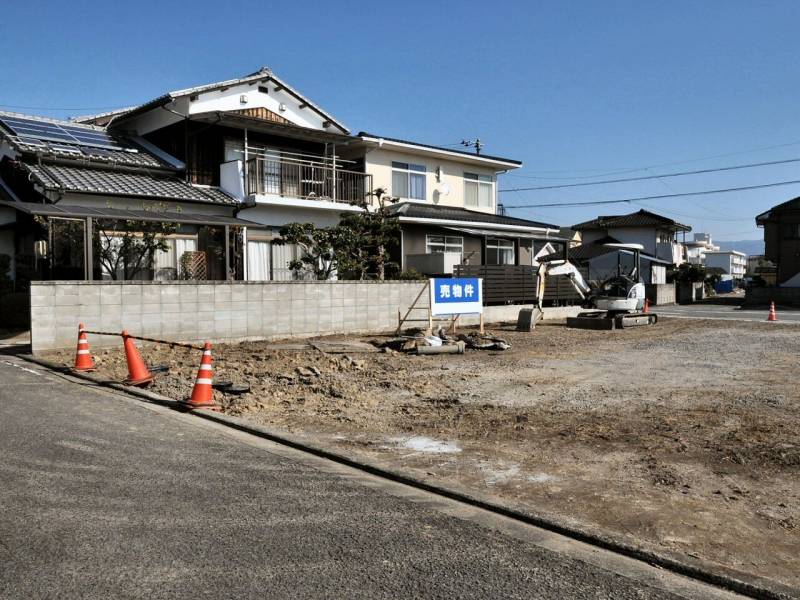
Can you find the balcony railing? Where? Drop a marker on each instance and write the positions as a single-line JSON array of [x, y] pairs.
[[307, 180]]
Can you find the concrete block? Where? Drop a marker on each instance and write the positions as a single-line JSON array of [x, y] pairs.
[[42, 312], [170, 328], [221, 306], [170, 294], [151, 294], [110, 294], [238, 327], [206, 294], [222, 293], [151, 309], [238, 292], [222, 329], [254, 292], [189, 308], [187, 293], [170, 309], [66, 299]]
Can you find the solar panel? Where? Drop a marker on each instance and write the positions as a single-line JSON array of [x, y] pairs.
[[45, 130]]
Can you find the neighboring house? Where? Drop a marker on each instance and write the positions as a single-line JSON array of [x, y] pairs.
[[436, 238], [732, 262], [656, 233], [66, 185], [696, 249], [233, 162], [781, 225]]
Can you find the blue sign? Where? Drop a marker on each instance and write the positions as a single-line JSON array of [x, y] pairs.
[[456, 296]]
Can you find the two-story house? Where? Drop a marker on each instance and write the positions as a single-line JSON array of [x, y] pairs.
[[781, 226], [232, 162], [658, 234]]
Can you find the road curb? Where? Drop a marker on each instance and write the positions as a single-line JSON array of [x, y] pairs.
[[717, 575]]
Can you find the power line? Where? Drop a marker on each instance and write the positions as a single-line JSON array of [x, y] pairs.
[[659, 197], [622, 171], [644, 177], [696, 217]]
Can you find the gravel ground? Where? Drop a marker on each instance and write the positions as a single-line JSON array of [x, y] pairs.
[[685, 435]]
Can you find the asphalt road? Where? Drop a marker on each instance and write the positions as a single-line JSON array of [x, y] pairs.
[[724, 312], [104, 496]]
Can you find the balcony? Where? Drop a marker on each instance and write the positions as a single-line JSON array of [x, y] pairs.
[[290, 178]]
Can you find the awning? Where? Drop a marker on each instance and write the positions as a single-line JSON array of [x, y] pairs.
[[499, 233], [81, 212]]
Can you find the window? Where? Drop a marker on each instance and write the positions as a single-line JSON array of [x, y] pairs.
[[499, 252], [408, 181], [435, 244], [477, 190], [167, 263], [664, 237]]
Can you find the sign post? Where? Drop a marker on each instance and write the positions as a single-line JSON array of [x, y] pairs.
[[457, 296]]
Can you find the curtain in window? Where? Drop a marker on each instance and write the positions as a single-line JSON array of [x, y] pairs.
[[471, 193], [181, 246], [484, 195], [164, 263], [400, 184], [258, 260], [506, 255], [417, 187], [282, 255]]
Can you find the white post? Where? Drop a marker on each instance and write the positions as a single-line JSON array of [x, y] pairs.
[[246, 267]]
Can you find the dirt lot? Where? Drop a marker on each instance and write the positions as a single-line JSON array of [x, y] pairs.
[[685, 435]]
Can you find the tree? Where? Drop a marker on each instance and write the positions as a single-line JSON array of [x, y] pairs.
[[129, 245], [688, 273], [366, 237], [319, 248], [353, 249]]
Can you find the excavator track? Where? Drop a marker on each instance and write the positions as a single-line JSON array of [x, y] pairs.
[[600, 319]]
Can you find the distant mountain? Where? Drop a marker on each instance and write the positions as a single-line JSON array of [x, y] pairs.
[[749, 247]]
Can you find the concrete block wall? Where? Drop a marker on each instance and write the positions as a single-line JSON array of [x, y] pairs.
[[229, 311], [216, 311], [762, 296], [660, 293]]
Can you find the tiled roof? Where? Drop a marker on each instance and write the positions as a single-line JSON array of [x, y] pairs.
[[116, 183], [642, 218], [263, 73], [792, 204], [452, 213]]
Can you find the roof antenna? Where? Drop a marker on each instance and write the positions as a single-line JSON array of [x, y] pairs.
[[477, 144]]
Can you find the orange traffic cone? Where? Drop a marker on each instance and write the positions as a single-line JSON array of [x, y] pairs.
[[773, 316], [202, 394], [83, 358], [138, 373], [646, 309]]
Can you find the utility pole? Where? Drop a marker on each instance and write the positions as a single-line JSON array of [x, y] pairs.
[[477, 144]]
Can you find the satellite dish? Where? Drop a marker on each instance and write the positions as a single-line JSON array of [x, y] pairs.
[[443, 189]]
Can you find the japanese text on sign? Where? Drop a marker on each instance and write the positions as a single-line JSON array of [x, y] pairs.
[[456, 296]]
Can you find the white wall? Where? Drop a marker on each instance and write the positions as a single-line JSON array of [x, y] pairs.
[[230, 100], [379, 165], [274, 214]]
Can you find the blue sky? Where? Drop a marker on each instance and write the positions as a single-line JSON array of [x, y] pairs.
[[574, 89]]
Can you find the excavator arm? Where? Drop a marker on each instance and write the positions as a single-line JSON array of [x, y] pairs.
[[560, 267]]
